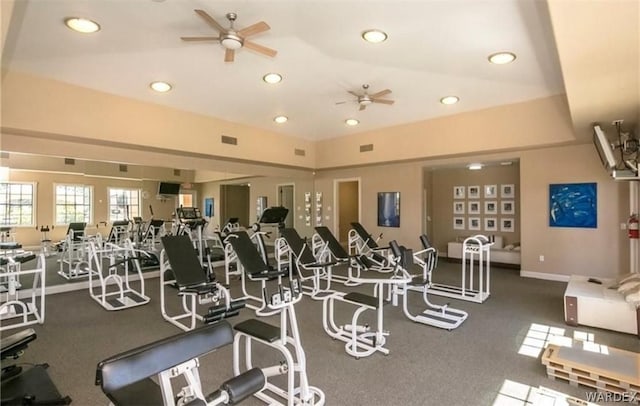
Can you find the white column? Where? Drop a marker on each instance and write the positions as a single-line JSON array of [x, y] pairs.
[[633, 243]]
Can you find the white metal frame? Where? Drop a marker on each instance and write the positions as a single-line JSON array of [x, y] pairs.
[[290, 346], [113, 284], [75, 255], [22, 309], [477, 254]]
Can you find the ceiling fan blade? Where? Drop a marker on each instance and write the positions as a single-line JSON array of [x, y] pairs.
[[380, 93], [254, 29], [229, 55], [362, 107], [342, 102], [206, 17], [200, 38], [353, 93], [383, 101], [260, 48]]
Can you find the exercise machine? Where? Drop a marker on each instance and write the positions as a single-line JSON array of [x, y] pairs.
[[181, 269], [21, 308], [284, 338], [476, 259], [241, 251], [293, 251], [111, 271], [441, 316], [46, 245], [26, 386], [360, 242], [74, 253], [129, 378]]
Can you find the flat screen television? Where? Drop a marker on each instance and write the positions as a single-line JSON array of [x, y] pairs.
[[603, 146], [168, 189]]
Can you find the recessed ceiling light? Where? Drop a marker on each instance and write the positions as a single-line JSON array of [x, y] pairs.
[[374, 36], [351, 122], [160, 87], [501, 58], [450, 100], [281, 119], [272, 78], [475, 166], [82, 25]]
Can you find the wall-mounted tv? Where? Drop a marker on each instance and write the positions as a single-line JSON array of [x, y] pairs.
[[168, 189], [603, 146]]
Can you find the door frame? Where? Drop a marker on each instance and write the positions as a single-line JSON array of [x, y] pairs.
[[336, 208], [293, 209]]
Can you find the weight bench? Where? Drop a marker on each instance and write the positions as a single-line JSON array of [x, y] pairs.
[[363, 243], [180, 259], [304, 261], [31, 386], [126, 378], [252, 266], [17, 310]]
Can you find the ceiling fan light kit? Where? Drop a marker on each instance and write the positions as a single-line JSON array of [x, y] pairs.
[[232, 39], [374, 36]]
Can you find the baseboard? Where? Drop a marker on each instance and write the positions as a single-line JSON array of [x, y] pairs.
[[545, 276]]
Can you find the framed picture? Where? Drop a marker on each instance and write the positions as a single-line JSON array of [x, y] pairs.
[[507, 207], [458, 192], [506, 225], [473, 192], [490, 191], [490, 224], [458, 207], [208, 206], [458, 223], [507, 191], [474, 223], [474, 207], [389, 209], [490, 207], [573, 205]]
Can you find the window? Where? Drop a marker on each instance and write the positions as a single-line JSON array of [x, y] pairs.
[[17, 201], [124, 204], [73, 204]]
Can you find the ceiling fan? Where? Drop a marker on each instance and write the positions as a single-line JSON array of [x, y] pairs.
[[366, 99], [232, 39]]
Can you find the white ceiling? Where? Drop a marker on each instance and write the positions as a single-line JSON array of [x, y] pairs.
[[435, 48]]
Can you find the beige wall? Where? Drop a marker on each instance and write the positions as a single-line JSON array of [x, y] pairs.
[[601, 251], [442, 183]]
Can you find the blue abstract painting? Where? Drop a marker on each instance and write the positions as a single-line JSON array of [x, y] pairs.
[[573, 205]]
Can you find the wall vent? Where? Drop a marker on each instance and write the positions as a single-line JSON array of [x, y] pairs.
[[225, 139], [4, 155], [69, 161], [299, 152], [366, 148], [124, 168], [176, 172]]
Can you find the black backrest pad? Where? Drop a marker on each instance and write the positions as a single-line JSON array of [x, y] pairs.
[[334, 246], [395, 248], [247, 253], [183, 260], [364, 235], [298, 246], [148, 360], [425, 241]]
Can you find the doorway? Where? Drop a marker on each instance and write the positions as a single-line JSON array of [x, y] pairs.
[[286, 199], [234, 202], [347, 206]]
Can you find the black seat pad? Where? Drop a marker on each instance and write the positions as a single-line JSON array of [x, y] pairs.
[[16, 342], [184, 261], [361, 298], [250, 258], [259, 329]]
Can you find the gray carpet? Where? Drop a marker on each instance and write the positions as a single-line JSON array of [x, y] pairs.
[[426, 365]]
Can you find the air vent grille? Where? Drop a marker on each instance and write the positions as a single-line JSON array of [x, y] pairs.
[[124, 168], [4, 155], [366, 148], [69, 161], [176, 172], [225, 139], [300, 152]]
